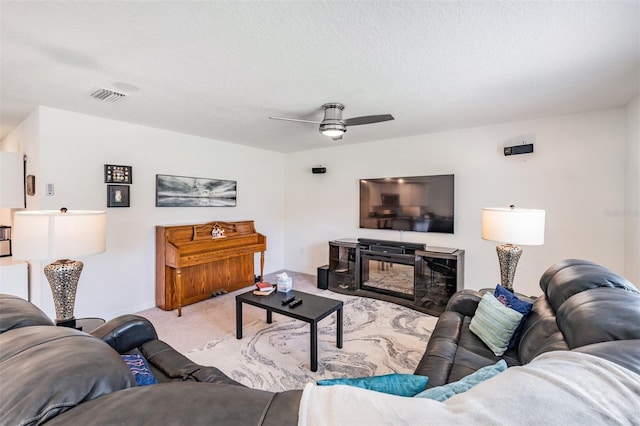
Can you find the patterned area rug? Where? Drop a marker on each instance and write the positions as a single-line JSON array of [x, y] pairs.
[[379, 338]]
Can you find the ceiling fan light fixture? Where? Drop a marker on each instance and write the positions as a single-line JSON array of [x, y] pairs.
[[332, 133], [332, 129]]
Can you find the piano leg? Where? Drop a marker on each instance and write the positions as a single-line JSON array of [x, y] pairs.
[[261, 266], [179, 290]]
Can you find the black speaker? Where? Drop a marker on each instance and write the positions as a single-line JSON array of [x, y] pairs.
[[316, 170], [518, 149], [323, 277]]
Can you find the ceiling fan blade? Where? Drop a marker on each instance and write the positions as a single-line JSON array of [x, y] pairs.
[[368, 119], [295, 119]]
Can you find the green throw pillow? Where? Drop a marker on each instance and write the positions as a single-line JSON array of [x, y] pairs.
[[442, 393], [494, 323], [396, 384]]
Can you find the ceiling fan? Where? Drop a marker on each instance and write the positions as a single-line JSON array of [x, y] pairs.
[[333, 125]]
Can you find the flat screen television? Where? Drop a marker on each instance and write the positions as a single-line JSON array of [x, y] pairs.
[[416, 203]]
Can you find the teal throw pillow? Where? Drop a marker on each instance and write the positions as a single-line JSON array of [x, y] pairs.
[[395, 384], [140, 369], [442, 393], [494, 323]]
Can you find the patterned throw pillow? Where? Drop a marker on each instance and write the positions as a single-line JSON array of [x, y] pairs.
[[510, 300], [444, 392], [395, 384], [494, 323], [140, 369]]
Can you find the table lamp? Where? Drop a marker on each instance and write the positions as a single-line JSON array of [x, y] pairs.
[[512, 226], [51, 234]]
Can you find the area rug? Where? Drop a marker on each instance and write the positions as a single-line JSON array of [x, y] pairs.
[[379, 338]]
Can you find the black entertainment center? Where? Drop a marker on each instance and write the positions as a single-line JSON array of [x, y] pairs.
[[410, 274]]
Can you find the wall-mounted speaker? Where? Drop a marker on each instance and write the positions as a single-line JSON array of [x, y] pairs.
[[318, 170], [518, 149]]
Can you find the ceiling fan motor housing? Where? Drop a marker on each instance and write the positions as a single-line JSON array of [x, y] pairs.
[[333, 118]]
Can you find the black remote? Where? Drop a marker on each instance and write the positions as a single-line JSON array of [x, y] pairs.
[[296, 303], [289, 300]]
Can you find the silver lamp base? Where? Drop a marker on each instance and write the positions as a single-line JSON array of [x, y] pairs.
[[63, 276], [508, 255]]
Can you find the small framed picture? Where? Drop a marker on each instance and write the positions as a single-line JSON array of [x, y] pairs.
[[117, 174], [117, 196]]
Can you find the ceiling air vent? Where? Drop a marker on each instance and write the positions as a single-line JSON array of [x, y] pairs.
[[106, 95]]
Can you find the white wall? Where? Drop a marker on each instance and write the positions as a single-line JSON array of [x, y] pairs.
[[26, 131], [576, 174], [74, 149], [632, 194]]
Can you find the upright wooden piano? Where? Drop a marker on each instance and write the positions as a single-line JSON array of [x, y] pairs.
[[193, 262]]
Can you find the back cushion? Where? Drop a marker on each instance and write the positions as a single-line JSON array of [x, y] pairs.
[[47, 370], [16, 312], [600, 315], [574, 311], [569, 277], [540, 332]]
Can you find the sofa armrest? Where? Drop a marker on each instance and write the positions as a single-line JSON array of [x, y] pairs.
[[126, 332], [464, 302]]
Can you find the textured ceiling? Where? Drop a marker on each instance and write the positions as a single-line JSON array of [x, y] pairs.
[[219, 69]]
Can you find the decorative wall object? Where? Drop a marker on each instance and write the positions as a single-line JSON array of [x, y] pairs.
[[31, 185], [117, 174], [182, 191], [118, 196]]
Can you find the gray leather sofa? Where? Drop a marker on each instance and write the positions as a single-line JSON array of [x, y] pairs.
[[61, 376], [582, 304]]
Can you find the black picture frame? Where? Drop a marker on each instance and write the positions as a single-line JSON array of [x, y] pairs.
[[118, 196], [118, 174], [185, 191]]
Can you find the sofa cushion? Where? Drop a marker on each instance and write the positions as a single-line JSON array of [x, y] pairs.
[[572, 276], [47, 370], [611, 314], [17, 313], [494, 323], [454, 352], [186, 403]]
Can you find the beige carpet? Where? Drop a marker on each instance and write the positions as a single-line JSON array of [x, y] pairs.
[[204, 321]]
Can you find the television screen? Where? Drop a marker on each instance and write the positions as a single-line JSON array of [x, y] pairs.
[[417, 203]]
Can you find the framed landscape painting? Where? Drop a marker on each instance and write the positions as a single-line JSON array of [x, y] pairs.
[[182, 191]]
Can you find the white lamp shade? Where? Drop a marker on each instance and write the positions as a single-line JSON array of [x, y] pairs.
[[11, 180], [513, 225], [50, 234]]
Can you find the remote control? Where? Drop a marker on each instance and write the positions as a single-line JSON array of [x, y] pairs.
[[296, 303], [289, 300]]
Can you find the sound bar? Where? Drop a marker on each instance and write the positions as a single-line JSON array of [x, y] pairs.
[[518, 149]]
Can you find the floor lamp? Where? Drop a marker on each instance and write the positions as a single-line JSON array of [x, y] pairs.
[[51, 234], [512, 227]]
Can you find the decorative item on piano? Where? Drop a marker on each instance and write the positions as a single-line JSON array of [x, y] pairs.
[[217, 231], [284, 282]]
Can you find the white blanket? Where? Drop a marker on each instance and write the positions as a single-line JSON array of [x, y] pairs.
[[557, 388]]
